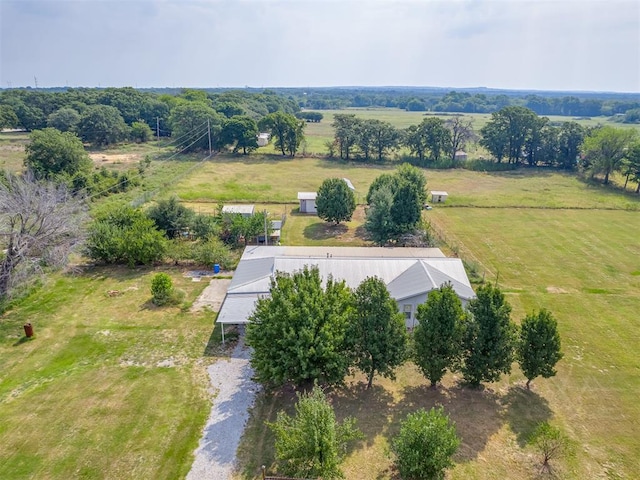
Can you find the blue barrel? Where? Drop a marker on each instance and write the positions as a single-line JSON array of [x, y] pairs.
[[216, 268]]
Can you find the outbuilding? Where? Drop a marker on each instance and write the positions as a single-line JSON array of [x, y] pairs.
[[244, 210], [438, 196], [307, 202]]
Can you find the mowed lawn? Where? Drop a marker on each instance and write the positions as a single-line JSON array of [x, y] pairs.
[[110, 386]]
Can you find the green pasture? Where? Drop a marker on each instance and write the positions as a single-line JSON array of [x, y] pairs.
[[110, 386]]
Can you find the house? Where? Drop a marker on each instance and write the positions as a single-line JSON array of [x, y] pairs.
[[409, 273], [307, 202], [244, 210], [460, 156], [263, 139], [438, 196]]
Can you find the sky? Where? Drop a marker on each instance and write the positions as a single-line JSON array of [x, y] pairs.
[[563, 45]]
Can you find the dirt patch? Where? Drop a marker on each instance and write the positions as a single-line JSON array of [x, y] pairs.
[[102, 158], [557, 290], [213, 295], [12, 148]]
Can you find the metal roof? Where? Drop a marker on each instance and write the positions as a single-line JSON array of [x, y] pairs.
[[241, 209], [407, 272], [349, 184], [307, 195]]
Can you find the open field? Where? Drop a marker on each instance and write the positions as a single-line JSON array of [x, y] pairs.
[[265, 179], [110, 386], [12, 150]]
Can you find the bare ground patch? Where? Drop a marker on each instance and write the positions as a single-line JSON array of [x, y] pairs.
[[102, 158]]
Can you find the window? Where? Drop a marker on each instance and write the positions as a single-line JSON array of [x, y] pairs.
[[407, 309]]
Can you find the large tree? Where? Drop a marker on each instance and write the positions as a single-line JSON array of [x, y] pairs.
[[631, 166], [570, 138], [438, 335], [425, 445], [298, 333], [429, 139], [102, 125], [195, 126], [377, 334], [287, 130], [539, 348], [171, 216], [604, 148], [461, 133], [489, 337], [65, 119], [40, 223], [335, 201], [312, 443], [52, 153], [379, 222], [241, 132], [507, 132], [347, 131]]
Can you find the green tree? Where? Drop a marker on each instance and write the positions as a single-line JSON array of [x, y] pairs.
[[102, 125], [298, 333], [438, 335], [335, 201], [461, 132], [190, 123], [570, 138], [241, 132], [312, 444], [347, 131], [604, 148], [171, 216], [377, 333], [406, 210], [161, 289], [141, 132], [538, 348], [631, 166], [122, 234], [414, 177], [550, 442], [287, 130], [425, 445], [429, 139], [52, 153], [507, 132], [8, 117], [379, 223], [489, 337], [65, 119]]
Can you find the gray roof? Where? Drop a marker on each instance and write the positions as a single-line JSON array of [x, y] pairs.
[[407, 272], [242, 209], [307, 195]]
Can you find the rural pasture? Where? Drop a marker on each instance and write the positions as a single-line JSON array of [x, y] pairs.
[[113, 387]]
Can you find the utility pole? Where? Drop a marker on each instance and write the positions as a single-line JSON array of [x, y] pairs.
[[35, 79], [158, 128], [266, 237], [209, 133]]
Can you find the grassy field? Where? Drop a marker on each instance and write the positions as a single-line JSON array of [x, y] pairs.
[[568, 254], [110, 386]]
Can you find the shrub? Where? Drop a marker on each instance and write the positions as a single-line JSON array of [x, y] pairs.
[[161, 289], [425, 444]]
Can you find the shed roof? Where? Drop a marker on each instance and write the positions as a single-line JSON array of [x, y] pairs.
[[242, 209], [439, 192], [307, 195], [349, 184]]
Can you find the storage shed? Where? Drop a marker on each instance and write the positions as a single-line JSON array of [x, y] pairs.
[[460, 156], [244, 210], [263, 139], [438, 196], [307, 202]]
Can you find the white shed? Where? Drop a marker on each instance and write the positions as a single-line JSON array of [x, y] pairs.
[[349, 184], [438, 196], [263, 139], [307, 202], [244, 210], [461, 156]]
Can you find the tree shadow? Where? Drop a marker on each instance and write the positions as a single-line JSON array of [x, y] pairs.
[[524, 410], [324, 230], [477, 414], [370, 407]]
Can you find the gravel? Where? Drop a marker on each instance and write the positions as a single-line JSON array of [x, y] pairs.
[[235, 393]]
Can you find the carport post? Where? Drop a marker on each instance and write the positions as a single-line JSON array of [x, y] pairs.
[[222, 330]]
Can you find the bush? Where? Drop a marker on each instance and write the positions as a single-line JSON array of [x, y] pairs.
[[213, 251], [425, 444], [161, 289]]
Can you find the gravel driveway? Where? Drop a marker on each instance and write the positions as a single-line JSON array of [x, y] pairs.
[[235, 392]]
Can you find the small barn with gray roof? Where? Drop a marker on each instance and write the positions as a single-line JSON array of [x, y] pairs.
[[409, 273]]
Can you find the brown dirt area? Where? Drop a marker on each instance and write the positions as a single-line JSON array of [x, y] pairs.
[[100, 158]]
